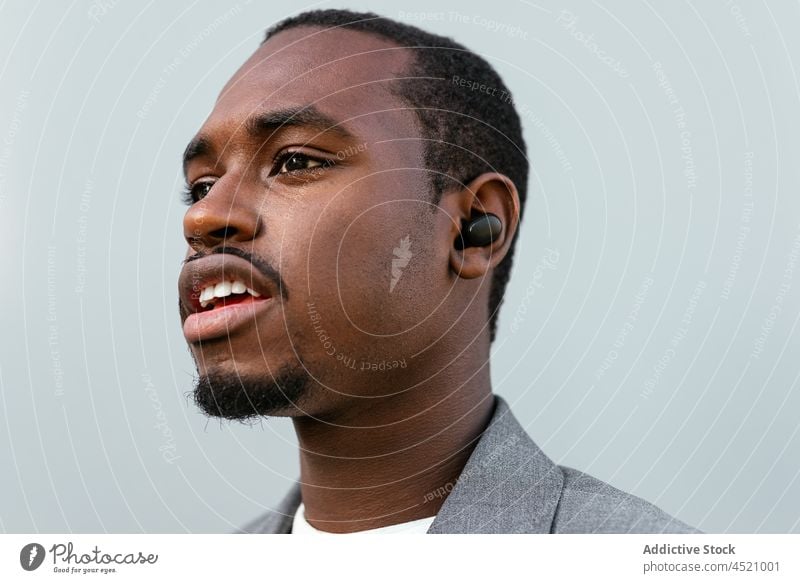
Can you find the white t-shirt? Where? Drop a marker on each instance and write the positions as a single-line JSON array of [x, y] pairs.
[[301, 526]]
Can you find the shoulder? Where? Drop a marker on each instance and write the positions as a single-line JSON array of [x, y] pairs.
[[589, 505], [270, 522], [276, 520]]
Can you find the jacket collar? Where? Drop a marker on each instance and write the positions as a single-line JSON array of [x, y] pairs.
[[508, 485]]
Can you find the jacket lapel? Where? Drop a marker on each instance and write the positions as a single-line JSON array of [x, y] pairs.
[[507, 486], [279, 520]]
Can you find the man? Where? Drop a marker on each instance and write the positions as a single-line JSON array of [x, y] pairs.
[[354, 202]]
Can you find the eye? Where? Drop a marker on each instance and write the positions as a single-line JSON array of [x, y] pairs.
[[297, 162], [193, 193]]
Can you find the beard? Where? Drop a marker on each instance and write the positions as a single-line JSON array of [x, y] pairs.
[[247, 397]]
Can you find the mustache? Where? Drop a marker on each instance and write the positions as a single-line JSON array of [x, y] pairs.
[[263, 266]]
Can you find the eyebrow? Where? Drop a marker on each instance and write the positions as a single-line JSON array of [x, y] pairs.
[[265, 124]]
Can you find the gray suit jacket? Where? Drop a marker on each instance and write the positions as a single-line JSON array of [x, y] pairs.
[[510, 486]]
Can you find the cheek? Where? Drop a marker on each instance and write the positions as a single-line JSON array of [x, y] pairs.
[[371, 268]]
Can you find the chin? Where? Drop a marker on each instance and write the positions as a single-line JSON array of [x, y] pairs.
[[238, 396]]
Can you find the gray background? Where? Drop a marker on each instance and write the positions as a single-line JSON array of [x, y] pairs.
[[655, 348]]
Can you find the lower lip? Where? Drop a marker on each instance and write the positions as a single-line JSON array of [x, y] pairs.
[[223, 320]]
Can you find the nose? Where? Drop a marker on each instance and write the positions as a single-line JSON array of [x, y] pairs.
[[225, 214]]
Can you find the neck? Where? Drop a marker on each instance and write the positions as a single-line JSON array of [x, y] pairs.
[[388, 460]]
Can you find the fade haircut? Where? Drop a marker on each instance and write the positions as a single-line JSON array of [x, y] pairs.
[[466, 132]]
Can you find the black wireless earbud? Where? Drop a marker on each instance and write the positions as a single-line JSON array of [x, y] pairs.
[[480, 231]]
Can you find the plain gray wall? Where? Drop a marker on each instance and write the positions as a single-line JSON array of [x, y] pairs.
[[648, 334]]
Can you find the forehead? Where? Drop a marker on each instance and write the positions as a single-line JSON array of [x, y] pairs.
[[347, 74]]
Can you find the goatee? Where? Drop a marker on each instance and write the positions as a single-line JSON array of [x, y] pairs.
[[246, 397]]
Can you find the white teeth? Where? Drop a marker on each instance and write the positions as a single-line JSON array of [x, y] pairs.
[[223, 290]]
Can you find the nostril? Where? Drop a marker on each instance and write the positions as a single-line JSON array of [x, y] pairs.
[[224, 232]]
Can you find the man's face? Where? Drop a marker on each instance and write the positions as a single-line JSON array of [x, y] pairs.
[[328, 217]]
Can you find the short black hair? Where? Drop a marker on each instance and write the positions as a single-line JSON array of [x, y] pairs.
[[467, 131]]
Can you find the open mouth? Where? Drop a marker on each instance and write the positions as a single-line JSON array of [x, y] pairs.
[[222, 310], [226, 293], [224, 296]]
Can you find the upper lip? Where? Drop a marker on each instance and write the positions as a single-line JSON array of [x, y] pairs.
[[200, 273]]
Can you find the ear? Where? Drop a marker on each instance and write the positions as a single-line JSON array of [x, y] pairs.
[[492, 193]]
